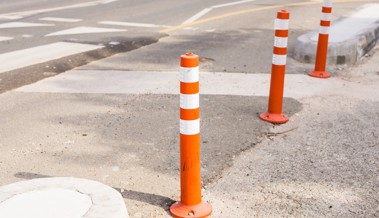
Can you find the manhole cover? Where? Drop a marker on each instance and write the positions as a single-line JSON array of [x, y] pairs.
[[48, 203]]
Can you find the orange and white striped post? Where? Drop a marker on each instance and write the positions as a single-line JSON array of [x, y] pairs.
[[322, 44], [190, 204], [275, 102]]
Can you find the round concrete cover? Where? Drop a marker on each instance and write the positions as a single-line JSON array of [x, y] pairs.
[[60, 198], [55, 202]]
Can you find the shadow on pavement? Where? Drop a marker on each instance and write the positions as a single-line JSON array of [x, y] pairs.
[[27, 175], [152, 199]]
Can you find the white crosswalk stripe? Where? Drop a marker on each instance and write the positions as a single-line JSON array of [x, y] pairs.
[[84, 30], [131, 24], [36, 55], [10, 17], [27, 57], [46, 10], [3, 38], [22, 24], [59, 19]]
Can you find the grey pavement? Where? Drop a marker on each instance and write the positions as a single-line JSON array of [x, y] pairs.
[[95, 130], [324, 162], [130, 142], [246, 35], [230, 45]]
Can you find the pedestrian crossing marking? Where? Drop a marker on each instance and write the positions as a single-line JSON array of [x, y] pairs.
[[84, 30], [2, 38], [132, 24], [22, 24], [40, 54], [60, 19]]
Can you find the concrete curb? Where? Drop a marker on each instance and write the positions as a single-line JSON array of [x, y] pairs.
[[347, 51], [105, 201]]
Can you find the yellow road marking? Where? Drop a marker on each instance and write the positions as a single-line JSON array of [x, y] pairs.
[[206, 20]]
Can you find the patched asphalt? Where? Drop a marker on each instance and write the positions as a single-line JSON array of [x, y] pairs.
[[142, 126]]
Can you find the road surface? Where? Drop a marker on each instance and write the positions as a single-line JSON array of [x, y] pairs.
[[114, 118]]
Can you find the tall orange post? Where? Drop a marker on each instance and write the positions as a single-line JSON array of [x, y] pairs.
[[275, 103], [190, 204], [322, 44]]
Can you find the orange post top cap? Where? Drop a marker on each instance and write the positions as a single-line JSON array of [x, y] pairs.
[[189, 60], [283, 14]]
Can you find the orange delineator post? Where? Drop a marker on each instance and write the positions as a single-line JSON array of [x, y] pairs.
[[322, 44], [275, 103], [190, 204]]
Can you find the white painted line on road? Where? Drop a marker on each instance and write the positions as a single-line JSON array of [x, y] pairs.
[[27, 36], [10, 17], [3, 38], [23, 58], [39, 11], [232, 3], [59, 19], [84, 30], [22, 24], [142, 82], [207, 10], [131, 24], [107, 1], [191, 28], [197, 16]]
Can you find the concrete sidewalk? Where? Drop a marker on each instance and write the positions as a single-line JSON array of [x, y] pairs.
[[324, 162]]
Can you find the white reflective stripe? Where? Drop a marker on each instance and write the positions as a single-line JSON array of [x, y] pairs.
[[189, 101], [281, 42], [190, 127], [281, 24], [189, 75], [327, 3], [326, 16], [279, 59], [324, 30]]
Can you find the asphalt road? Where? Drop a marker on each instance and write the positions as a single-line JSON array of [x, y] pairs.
[[124, 137], [90, 14], [229, 36]]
